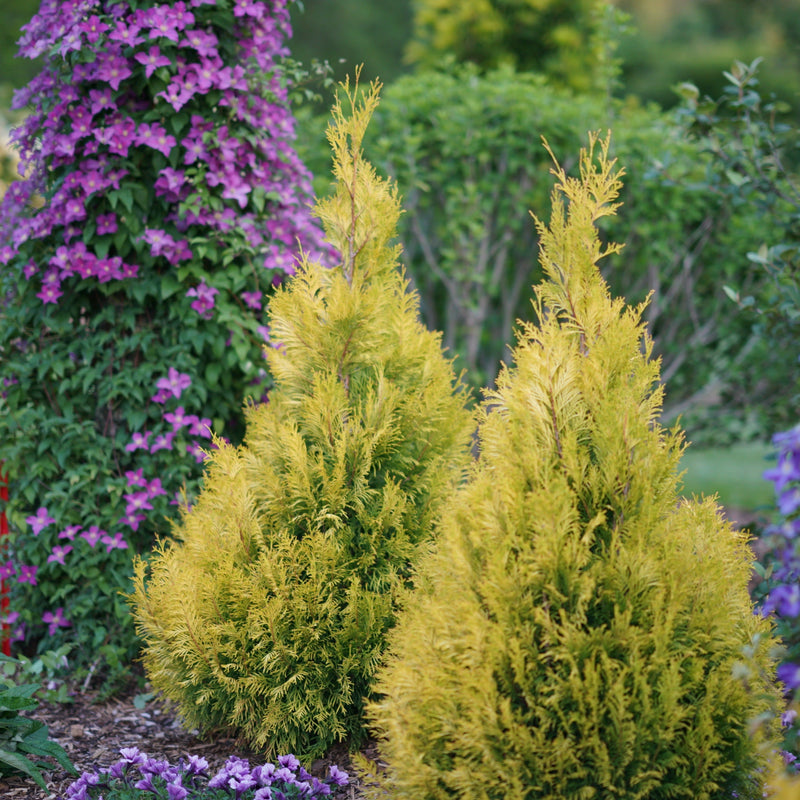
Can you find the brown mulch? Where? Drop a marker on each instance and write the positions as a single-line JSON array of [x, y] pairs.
[[92, 734]]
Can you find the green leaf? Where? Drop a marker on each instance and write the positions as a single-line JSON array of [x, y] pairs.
[[212, 373], [19, 763]]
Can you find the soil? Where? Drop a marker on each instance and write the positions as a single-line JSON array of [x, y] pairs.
[[92, 734]]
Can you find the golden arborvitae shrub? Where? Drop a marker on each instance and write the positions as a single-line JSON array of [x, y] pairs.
[[580, 628], [269, 612]]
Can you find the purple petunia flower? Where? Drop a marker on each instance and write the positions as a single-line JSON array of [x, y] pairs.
[[338, 776], [788, 440]]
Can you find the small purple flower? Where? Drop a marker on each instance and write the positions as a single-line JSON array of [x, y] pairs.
[[194, 449], [93, 535], [106, 223], [145, 784], [132, 756], [154, 488], [132, 520], [55, 620], [139, 442], [27, 574], [176, 790], [289, 761], [205, 298], [338, 776], [136, 477], [252, 300], [50, 293], [786, 599], [39, 521], [137, 501], [788, 440], [200, 427], [175, 382], [197, 765], [789, 675], [59, 553], [789, 501], [115, 542], [152, 60], [177, 418], [69, 532], [284, 774], [162, 442], [7, 570]]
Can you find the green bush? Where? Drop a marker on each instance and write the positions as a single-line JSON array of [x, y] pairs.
[[753, 165], [269, 613], [580, 630]]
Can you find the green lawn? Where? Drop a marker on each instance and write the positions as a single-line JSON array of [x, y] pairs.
[[732, 473]]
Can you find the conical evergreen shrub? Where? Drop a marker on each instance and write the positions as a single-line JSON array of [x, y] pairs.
[[269, 615], [579, 629]]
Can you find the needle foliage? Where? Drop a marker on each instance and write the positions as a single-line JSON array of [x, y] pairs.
[[581, 629], [269, 614]]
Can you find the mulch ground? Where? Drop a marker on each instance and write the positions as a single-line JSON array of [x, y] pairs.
[[93, 733]]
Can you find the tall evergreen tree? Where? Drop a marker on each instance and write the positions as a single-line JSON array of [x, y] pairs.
[[576, 632], [270, 613]]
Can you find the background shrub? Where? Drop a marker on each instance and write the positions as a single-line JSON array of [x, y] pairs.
[[576, 631], [269, 612], [131, 303], [753, 166]]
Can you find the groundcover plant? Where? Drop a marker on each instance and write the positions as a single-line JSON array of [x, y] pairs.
[[162, 204], [135, 775]]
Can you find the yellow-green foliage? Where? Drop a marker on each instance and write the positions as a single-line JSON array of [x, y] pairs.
[[549, 36], [576, 631], [269, 614]]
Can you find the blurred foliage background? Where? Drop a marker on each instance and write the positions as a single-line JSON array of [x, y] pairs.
[[668, 41], [470, 88]]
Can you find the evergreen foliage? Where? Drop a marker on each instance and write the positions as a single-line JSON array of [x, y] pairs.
[[576, 631], [270, 614]]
